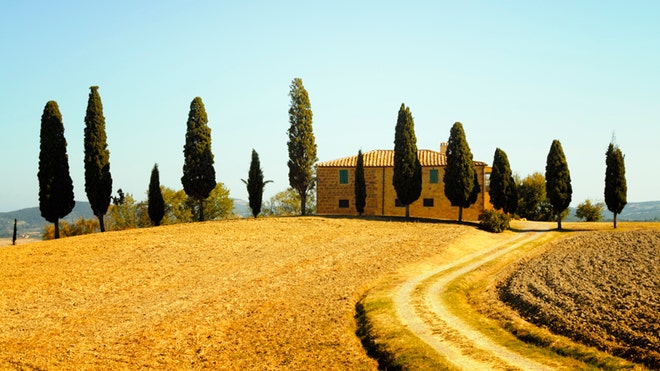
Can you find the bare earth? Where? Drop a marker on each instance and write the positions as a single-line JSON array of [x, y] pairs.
[[600, 288], [274, 293]]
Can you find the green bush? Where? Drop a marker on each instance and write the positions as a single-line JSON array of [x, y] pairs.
[[493, 221]]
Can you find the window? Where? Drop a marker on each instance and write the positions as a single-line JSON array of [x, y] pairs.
[[343, 204], [398, 203], [343, 176], [433, 176], [428, 202]]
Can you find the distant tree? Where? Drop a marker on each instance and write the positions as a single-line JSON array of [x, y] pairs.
[[218, 205], [503, 193], [533, 204], [615, 181], [119, 199], [255, 184], [176, 208], [126, 213], [589, 212], [302, 148], [13, 236], [558, 180], [461, 181], [156, 208], [287, 202], [98, 180], [198, 173], [55, 184], [407, 179], [360, 185]]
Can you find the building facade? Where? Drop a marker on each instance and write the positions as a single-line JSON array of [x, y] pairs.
[[335, 194]]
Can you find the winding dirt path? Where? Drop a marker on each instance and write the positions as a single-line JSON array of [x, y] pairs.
[[420, 307]]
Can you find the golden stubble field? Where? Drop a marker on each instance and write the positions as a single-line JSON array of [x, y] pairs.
[[240, 294]]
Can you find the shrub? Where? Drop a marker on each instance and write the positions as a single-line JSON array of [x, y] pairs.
[[493, 221], [590, 212], [80, 227]]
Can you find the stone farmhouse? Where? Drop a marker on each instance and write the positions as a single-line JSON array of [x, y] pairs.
[[335, 193]]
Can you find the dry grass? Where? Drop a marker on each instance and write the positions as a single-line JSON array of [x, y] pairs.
[[244, 294]]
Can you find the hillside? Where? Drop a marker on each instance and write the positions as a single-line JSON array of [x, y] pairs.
[[269, 293]]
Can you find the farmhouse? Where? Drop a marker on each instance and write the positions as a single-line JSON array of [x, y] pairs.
[[336, 190]]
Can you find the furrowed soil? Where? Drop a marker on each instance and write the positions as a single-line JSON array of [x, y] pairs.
[[272, 293], [598, 288]]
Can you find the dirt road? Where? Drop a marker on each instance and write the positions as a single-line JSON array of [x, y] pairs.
[[421, 308]]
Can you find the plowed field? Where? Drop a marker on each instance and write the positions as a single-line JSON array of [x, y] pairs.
[[272, 293], [599, 288]]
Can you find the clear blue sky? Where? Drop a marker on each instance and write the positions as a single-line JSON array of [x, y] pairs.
[[517, 74]]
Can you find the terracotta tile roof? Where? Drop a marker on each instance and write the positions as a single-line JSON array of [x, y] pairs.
[[385, 158]]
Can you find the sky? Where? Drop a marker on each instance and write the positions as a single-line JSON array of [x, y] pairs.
[[516, 74]]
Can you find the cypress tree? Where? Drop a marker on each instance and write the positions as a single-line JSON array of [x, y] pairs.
[[13, 236], [360, 185], [55, 184], [615, 181], [558, 180], [301, 144], [198, 173], [503, 193], [255, 184], [407, 179], [461, 178], [98, 181], [156, 203]]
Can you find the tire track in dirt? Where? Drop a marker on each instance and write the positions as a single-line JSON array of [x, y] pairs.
[[420, 307]]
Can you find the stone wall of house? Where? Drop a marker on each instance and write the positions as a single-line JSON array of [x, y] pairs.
[[381, 196]]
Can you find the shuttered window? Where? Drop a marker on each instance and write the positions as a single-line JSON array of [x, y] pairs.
[[343, 176], [433, 176]]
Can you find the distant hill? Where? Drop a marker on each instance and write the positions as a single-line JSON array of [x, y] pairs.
[[30, 223], [634, 211]]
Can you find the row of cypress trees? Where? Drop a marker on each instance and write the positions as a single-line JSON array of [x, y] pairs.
[[461, 179], [504, 195], [56, 199]]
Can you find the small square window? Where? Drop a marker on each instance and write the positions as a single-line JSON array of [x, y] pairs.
[[428, 202], [343, 204], [398, 203], [343, 176], [433, 176]]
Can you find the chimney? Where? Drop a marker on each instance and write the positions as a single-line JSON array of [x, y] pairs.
[[443, 148]]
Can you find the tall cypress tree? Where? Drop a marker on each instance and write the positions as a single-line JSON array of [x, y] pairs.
[[55, 184], [301, 144], [255, 184], [360, 185], [558, 180], [615, 181], [407, 179], [156, 204], [503, 193], [198, 173], [98, 181], [461, 178]]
